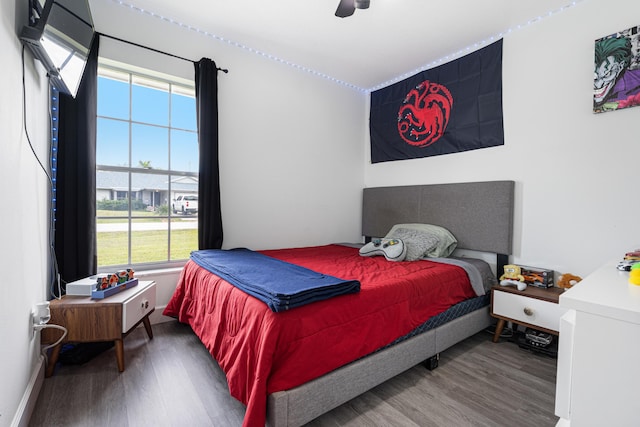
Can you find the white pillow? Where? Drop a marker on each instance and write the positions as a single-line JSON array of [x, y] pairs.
[[446, 241], [417, 242]]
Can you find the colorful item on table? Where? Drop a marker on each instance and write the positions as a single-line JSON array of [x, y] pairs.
[[114, 279]]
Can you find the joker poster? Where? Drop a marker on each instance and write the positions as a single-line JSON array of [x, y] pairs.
[[616, 77]]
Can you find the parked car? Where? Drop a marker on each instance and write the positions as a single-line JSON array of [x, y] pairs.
[[185, 204]]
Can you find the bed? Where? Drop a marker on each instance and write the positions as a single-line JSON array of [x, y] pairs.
[[273, 370]]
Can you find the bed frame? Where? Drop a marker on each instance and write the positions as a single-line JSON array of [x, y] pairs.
[[480, 216]]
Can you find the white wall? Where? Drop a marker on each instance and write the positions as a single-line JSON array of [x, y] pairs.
[[291, 150], [575, 171], [24, 230]]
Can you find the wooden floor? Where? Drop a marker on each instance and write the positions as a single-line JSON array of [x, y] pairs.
[[173, 381]]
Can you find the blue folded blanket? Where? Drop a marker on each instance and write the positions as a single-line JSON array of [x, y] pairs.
[[277, 283]]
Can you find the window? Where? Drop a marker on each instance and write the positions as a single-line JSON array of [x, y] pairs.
[[146, 170]]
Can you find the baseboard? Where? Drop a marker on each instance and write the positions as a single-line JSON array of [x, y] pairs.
[[157, 316], [30, 396]]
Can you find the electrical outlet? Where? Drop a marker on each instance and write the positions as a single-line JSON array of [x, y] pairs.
[[40, 315]]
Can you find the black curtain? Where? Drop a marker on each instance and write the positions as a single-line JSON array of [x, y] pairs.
[[209, 210], [75, 226]]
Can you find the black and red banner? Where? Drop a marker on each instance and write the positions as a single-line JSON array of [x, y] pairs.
[[454, 107]]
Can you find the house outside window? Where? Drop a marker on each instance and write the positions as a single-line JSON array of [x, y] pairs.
[[146, 163]]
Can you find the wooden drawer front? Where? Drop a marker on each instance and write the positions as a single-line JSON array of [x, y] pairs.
[[138, 306], [85, 323], [528, 310]]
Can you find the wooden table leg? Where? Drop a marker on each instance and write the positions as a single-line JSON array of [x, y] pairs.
[[147, 327], [120, 354], [53, 359], [499, 328]]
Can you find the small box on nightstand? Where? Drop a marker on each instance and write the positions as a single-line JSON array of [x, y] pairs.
[[538, 277], [82, 287]]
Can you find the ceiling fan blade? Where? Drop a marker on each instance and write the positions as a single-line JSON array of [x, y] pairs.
[[345, 8]]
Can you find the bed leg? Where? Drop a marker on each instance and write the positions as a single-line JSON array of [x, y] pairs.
[[432, 362]]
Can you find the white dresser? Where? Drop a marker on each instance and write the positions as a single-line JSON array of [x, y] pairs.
[[599, 355]]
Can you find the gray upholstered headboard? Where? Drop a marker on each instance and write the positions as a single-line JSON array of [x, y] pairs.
[[478, 214]]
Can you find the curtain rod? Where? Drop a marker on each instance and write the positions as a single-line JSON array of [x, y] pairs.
[[224, 70]]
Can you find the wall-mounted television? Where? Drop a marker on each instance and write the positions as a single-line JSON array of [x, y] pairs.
[[59, 34]]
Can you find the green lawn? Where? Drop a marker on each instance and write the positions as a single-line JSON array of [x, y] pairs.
[[148, 246]]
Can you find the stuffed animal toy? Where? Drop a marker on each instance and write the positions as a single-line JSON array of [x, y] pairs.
[[568, 280], [513, 272], [513, 277]]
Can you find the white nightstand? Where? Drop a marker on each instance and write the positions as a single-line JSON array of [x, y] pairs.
[[533, 307]]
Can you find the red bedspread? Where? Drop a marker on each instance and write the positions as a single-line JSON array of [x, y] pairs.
[[262, 352]]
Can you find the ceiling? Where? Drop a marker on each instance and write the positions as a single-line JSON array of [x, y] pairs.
[[372, 48]]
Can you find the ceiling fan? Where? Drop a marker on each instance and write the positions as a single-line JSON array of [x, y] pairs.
[[347, 7]]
